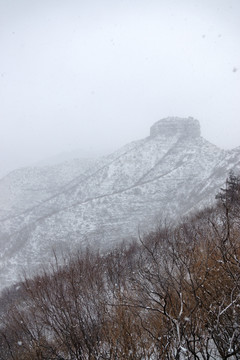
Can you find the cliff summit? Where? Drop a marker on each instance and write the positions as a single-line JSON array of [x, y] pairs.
[[170, 126]]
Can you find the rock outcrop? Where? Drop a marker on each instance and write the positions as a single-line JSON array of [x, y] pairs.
[[171, 126]]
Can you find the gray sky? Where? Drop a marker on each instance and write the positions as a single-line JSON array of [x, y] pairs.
[[94, 74]]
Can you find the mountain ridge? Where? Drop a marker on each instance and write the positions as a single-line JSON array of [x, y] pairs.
[[163, 175]]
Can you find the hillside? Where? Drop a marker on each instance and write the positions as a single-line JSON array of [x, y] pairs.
[[27, 187], [167, 174], [172, 295]]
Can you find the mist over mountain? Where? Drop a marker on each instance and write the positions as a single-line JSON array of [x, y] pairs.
[[101, 202]]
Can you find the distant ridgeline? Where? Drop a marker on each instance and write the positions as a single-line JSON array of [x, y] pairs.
[[170, 126]]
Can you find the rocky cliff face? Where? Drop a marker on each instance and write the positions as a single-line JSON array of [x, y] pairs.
[[172, 126], [164, 175]]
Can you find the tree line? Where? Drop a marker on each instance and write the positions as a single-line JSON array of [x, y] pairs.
[[174, 294]]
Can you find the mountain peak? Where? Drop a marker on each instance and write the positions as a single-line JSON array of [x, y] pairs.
[[170, 126]]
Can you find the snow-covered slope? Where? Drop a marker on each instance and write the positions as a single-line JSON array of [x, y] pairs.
[[27, 187], [166, 174]]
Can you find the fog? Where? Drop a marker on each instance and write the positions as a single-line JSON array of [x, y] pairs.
[[94, 75]]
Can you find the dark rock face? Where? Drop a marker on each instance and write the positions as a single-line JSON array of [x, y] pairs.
[[171, 126]]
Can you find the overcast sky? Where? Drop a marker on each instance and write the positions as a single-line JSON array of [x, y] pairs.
[[96, 74]]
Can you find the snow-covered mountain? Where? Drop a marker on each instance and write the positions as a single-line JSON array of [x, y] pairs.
[[27, 187], [167, 174]]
